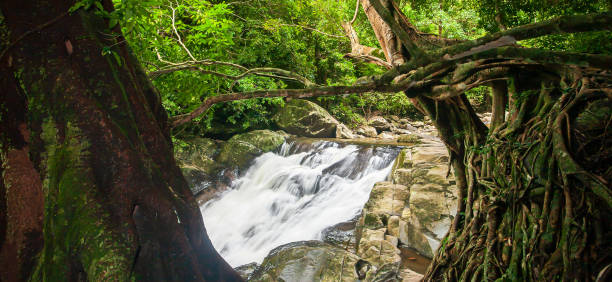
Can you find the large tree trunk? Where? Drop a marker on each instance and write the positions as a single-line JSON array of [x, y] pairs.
[[90, 189], [534, 200]]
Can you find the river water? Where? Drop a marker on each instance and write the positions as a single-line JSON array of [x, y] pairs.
[[292, 195]]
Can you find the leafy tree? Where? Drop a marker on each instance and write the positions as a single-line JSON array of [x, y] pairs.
[[89, 189]]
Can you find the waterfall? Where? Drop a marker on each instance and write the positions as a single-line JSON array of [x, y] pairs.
[[292, 195]]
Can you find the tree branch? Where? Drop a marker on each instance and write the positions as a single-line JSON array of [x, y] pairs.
[[178, 36], [195, 66], [563, 24], [369, 59], [356, 12], [313, 29], [293, 93], [385, 14]]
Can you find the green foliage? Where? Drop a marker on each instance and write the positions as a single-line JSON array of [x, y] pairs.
[[356, 109], [495, 15], [478, 94], [305, 36], [451, 19], [302, 36]]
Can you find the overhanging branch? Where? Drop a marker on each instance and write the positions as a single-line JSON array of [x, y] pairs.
[[293, 93], [563, 24]]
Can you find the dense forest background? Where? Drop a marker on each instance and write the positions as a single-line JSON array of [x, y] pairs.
[[244, 46]]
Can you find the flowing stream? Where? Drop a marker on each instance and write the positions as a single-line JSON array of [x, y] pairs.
[[292, 195]]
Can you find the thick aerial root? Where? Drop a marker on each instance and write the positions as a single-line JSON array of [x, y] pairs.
[[533, 210]]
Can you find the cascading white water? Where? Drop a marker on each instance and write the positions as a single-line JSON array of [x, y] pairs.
[[292, 195]]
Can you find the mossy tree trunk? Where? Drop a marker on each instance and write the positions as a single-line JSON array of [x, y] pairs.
[[89, 187], [537, 204], [535, 201]]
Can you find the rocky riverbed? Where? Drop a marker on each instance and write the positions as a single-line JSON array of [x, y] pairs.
[[393, 239], [401, 224]]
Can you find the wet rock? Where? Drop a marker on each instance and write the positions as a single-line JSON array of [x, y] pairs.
[[310, 261], [196, 158], [411, 235], [343, 132], [408, 275], [386, 273], [386, 199], [341, 235], [245, 270], [387, 135], [374, 247], [399, 130], [380, 123], [432, 197], [239, 150], [409, 138], [392, 239], [305, 118], [393, 225], [418, 124], [379, 224], [367, 131], [434, 206]]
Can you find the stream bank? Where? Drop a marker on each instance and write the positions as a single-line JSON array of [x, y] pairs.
[[405, 215]]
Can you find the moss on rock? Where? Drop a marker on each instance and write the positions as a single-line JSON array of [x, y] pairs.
[[305, 118], [239, 150], [308, 261]]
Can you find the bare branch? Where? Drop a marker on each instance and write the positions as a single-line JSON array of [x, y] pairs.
[[285, 74], [356, 12], [313, 29], [369, 59], [178, 36], [195, 66], [293, 93], [563, 24]]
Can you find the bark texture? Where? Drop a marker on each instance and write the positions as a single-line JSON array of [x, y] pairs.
[[90, 189], [534, 201]]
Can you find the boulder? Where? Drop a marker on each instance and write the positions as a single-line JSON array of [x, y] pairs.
[[376, 249], [432, 202], [393, 225], [239, 150], [341, 235], [196, 158], [386, 199], [305, 118], [386, 273], [408, 275], [343, 132], [310, 261], [387, 135], [367, 131], [245, 270], [380, 123], [411, 235], [434, 206]]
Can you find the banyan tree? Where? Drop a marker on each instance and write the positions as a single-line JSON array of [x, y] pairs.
[[78, 127]]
